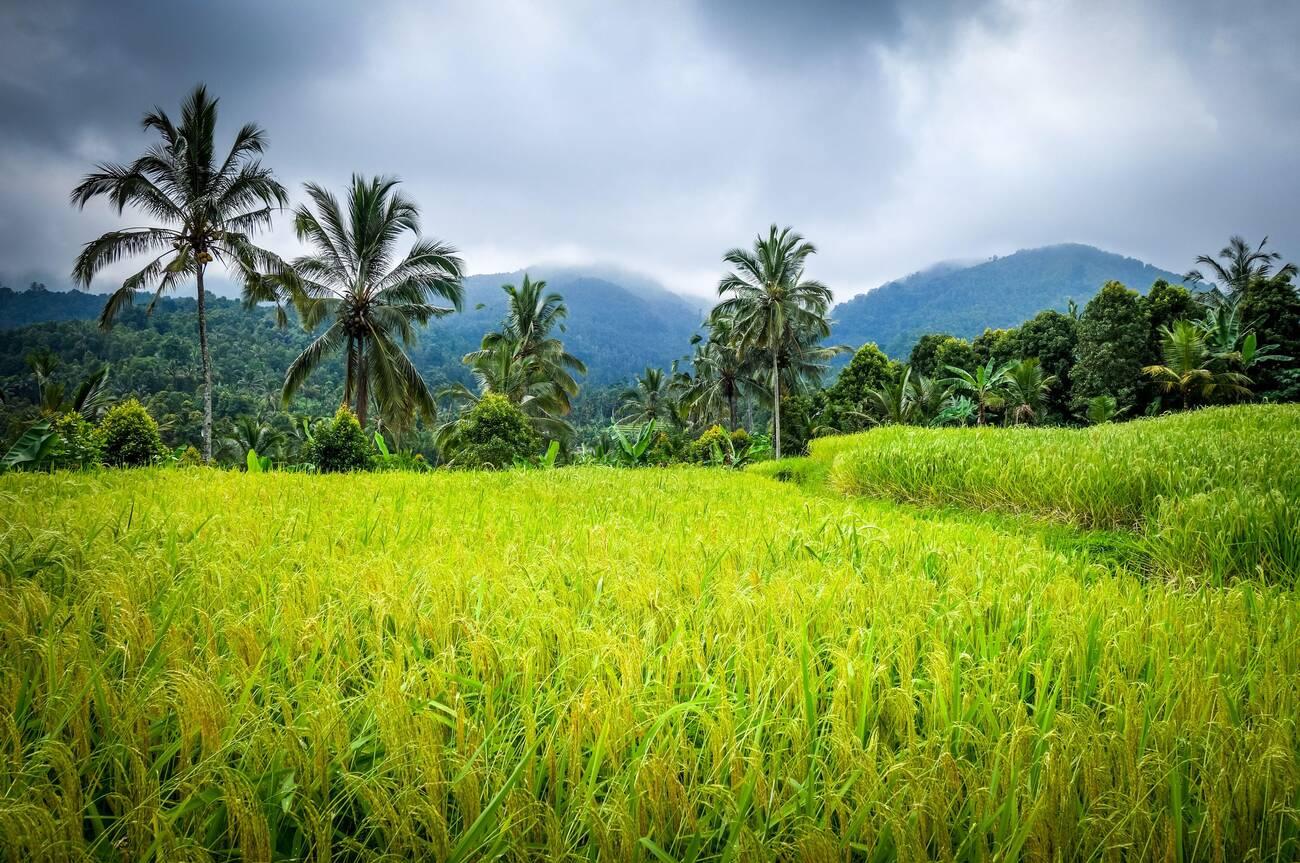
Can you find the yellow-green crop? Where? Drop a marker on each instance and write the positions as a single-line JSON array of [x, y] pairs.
[[1215, 492], [617, 665]]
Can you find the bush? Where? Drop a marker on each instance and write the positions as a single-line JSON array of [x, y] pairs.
[[700, 450], [666, 449], [129, 437], [339, 445], [190, 458], [492, 434], [79, 446], [400, 462]]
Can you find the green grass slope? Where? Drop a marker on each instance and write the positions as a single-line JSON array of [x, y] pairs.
[[617, 665], [1214, 493]]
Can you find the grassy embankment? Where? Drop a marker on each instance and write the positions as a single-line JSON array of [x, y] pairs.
[[1212, 495]]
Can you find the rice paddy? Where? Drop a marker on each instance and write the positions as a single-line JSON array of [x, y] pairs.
[[1215, 493], [600, 664]]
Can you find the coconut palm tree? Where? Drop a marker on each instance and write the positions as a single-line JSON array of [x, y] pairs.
[[205, 209], [90, 399], [531, 316], [893, 401], [1025, 391], [772, 307], [1188, 366], [524, 380], [1241, 265], [372, 304], [721, 373], [252, 433], [1101, 410], [928, 397], [650, 398], [985, 385]]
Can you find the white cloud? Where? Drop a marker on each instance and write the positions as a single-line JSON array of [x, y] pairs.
[[658, 136]]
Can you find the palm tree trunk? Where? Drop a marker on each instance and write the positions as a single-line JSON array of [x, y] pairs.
[[349, 372], [731, 407], [205, 360], [363, 390], [776, 404]]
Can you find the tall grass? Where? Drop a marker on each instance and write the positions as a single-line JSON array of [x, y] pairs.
[[600, 664], [1215, 492]]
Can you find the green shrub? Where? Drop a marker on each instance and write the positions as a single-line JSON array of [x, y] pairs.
[[79, 446], [665, 450], [701, 450], [190, 458], [129, 437], [400, 461], [339, 445], [492, 434]]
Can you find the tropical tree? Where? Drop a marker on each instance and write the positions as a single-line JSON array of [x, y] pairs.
[[531, 316], [205, 209], [371, 303], [1051, 337], [1101, 409], [1240, 265], [928, 396], [89, 400], [870, 371], [773, 308], [1271, 308], [252, 433], [722, 373], [524, 380], [986, 385], [1188, 367], [1230, 342], [1112, 342], [650, 398], [1025, 391], [923, 360], [893, 400]]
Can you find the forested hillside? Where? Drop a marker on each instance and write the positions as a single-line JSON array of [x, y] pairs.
[[616, 330], [964, 300]]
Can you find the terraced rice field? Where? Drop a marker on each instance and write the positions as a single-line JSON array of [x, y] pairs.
[[591, 663]]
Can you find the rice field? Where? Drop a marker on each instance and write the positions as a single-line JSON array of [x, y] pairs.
[[594, 664], [1215, 493]]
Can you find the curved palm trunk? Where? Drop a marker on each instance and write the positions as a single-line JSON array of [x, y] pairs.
[[206, 360], [776, 404]]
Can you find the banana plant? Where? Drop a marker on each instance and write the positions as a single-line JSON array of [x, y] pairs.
[[633, 453], [34, 449], [256, 463]]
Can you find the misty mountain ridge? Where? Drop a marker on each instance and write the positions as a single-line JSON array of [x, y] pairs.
[[617, 329], [964, 299], [620, 321]]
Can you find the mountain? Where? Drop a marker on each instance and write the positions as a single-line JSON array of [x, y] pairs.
[[964, 299], [616, 327]]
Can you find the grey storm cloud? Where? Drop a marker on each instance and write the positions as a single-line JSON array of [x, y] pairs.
[[656, 136]]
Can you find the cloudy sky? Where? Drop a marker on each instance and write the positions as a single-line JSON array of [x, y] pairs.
[[656, 135]]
